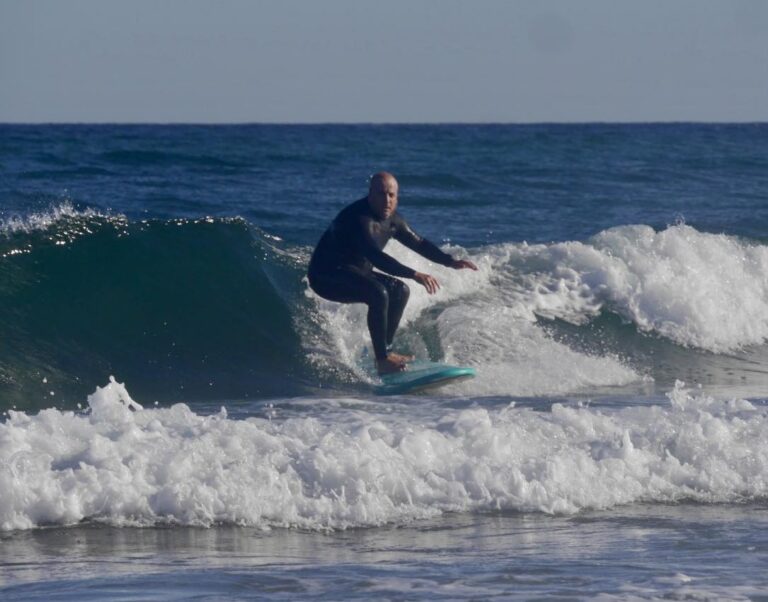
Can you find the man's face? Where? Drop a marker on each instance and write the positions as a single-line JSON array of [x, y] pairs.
[[383, 197]]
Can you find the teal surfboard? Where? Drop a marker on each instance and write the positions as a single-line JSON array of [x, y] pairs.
[[421, 375]]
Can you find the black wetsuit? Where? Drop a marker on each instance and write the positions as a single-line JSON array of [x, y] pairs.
[[341, 268]]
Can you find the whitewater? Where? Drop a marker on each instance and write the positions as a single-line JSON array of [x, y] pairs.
[[120, 464]]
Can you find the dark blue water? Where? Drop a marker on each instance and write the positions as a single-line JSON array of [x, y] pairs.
[[473, 184], [615, 261]]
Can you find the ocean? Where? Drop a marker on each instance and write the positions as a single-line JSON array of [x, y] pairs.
[[182, 418]]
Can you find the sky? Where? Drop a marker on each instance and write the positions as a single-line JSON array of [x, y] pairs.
[[299, 61]]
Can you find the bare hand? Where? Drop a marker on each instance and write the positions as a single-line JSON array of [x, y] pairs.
[[427, 281], [461, 264]]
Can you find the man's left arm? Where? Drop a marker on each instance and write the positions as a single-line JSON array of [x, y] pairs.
[[425, 248]]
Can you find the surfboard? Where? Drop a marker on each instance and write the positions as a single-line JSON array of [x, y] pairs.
[[422, 375]]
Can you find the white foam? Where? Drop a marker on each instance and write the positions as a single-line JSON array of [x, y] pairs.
[[130, 466], [514, 356], [697, 289]]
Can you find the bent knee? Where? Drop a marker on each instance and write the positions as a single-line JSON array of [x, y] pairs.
[[378, 295], [401, 291]]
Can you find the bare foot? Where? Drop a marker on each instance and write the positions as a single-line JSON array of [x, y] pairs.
[[390, 365], [399, 357]]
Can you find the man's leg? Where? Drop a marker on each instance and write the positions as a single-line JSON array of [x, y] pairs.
[[350, 286], [399, 293]]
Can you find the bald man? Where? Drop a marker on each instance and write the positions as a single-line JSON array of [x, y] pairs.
[[341, 268]]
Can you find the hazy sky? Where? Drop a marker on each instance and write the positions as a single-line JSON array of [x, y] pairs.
[[391, 61]]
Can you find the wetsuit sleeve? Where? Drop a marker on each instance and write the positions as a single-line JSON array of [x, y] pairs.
[[386, 263], [422, 246]]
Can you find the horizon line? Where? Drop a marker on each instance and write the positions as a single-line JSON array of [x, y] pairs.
[[380, 123]]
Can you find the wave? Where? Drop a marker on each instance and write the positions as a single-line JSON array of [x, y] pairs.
[[121, 464], [188, 309], [211, 309]]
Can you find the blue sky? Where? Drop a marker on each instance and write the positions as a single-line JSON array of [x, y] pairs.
[[374, 61]]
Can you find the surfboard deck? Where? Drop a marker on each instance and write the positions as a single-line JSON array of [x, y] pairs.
[[420, 376]]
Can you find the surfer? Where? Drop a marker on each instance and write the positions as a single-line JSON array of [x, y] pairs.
[[341, 268]]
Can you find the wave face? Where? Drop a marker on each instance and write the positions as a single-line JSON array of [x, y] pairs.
[[213, 309], [120, 464], [182, 309]]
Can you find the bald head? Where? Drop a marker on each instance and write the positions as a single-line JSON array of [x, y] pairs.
[[382, 194], [379, 180]]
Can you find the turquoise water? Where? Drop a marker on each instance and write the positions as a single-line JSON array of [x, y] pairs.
[[613, 442]]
